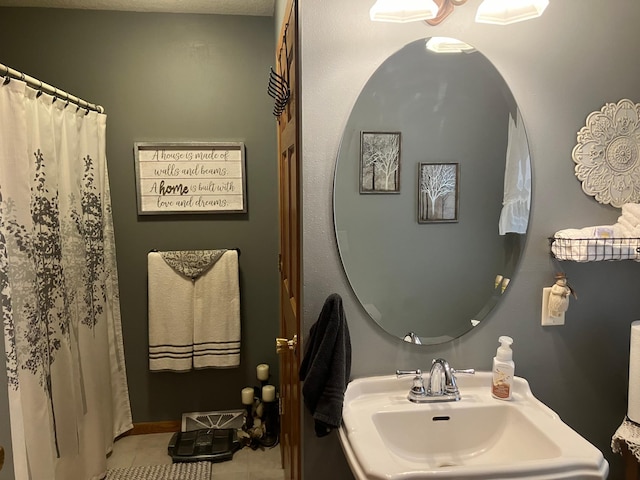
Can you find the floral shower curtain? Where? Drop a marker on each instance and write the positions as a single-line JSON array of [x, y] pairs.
[[68, 393]]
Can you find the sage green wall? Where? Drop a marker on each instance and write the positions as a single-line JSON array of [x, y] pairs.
[[170, 77], [559, 67]]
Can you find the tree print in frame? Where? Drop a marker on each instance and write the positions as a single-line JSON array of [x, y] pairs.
[[438, 192], [380, 162]]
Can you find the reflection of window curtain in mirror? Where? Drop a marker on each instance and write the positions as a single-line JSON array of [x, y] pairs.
[[517, 181]]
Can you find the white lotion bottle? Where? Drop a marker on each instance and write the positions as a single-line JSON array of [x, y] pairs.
[[503, 370]]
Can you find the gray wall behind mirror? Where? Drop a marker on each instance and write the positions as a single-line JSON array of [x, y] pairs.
[[171, 77], [559, 67], [403, 272]]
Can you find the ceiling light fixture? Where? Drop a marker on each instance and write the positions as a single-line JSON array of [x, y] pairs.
[[403, 11], [448, 45], [505, 12], [497, 12]]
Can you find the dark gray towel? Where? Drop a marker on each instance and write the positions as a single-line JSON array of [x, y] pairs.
[[326, 366]]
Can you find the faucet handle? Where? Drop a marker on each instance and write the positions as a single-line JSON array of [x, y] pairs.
[[417, 390], [452, 387]]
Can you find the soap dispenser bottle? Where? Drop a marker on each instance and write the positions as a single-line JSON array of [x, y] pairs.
[[503, 370]]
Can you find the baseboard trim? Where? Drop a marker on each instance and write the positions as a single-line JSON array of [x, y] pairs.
[[154, 427]]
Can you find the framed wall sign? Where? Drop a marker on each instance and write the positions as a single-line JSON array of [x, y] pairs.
[[190, 177]]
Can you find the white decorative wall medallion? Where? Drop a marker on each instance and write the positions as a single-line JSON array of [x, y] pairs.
[[607, 155]]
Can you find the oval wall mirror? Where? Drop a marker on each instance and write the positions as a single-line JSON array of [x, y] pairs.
[[432, 191]]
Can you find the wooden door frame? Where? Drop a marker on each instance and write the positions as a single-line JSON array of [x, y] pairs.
[[289, 162]]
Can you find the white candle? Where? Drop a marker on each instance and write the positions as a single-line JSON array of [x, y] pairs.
[[247, 396], [262, 371], [268, 393]]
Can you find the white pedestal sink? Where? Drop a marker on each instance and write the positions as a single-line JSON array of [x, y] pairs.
[[384, 436]]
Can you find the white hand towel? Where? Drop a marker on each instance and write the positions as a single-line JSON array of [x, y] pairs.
[[216, 326], [170, 317]]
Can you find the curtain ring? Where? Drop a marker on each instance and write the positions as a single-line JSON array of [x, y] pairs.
[[7, 76], [39, 89]]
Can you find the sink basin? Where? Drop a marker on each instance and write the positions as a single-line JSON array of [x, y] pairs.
[[385, 436]]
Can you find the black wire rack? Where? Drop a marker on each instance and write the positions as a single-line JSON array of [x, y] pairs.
[[595, 249]]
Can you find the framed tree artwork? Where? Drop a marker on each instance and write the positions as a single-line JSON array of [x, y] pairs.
[[380, 162], [438, 192]]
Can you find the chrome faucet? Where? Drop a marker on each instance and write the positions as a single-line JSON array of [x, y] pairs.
[[442, 383], [411, 337]]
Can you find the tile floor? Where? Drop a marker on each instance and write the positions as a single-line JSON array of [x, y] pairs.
[[151, 449]]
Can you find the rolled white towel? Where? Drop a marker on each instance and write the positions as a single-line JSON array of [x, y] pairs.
[[571, 244], [597, 231], [631, 211], [575, 233], [629, 230]]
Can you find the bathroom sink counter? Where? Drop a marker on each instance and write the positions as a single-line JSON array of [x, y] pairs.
[[385, 436]]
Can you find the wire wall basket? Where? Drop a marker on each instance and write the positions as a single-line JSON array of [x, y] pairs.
[[595, 249]]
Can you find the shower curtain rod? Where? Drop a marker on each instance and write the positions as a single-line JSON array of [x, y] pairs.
[[9, 73]]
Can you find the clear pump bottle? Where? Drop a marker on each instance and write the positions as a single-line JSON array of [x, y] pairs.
[[503, 370]]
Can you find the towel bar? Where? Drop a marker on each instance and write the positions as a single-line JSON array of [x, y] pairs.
[[236, 249]]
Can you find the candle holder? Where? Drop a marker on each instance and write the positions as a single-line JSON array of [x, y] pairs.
[[262, 420], [271, 424], [248, 399], [248, 421]]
